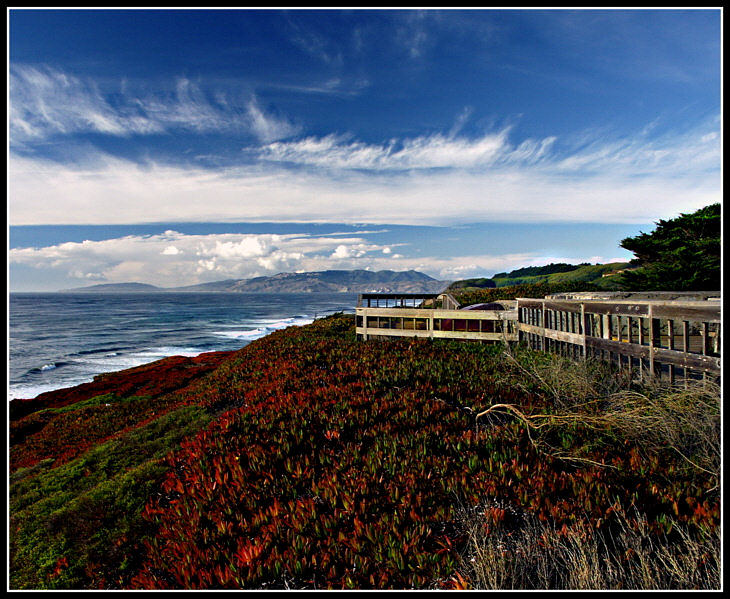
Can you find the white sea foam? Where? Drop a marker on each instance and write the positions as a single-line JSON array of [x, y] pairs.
[[267, 326], [30, 390], [83, 369], [163, 352]]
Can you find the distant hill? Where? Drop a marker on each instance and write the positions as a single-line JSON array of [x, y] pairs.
[[603, 276], [327, 281], [529, 271], [115, 288]]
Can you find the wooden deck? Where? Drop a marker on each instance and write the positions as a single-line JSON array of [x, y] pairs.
[[665, 338], [433, 316]]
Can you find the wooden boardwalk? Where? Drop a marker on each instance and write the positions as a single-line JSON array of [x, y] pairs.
[[664, 338], [677, 338], [425, 315]]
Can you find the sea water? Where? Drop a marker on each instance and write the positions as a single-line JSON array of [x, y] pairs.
[[59, 340]]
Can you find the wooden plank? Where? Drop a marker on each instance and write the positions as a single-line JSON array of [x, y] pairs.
[[619, 347], [641, 331], [665, 356], [626, 309], [691, 361], [629, 332], [432, 313], [436, 334], [709, 313], [653, 339], [566, 306], [472, 335], [564, 336], [528, 302], [619, 333]]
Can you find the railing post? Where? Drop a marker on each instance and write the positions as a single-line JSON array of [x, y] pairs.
[[654, 339], [670, 345], [542, 324]]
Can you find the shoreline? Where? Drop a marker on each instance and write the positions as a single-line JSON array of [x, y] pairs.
[[244, 337]]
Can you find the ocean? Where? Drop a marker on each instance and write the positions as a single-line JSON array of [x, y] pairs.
[[59, 340]]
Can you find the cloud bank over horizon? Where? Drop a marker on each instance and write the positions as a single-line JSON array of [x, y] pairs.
[[175, 259]]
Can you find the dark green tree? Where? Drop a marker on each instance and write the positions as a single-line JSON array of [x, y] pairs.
[[681, 254]]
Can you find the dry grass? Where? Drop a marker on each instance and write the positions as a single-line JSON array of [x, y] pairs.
[[684, 420], [654, 415], [537, 556]]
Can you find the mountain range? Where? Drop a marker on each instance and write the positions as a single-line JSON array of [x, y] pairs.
[[327, 281]]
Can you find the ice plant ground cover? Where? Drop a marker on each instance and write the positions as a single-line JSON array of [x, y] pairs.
[[310, 460]]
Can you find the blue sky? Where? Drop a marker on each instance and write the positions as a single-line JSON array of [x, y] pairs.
[[175, 147]]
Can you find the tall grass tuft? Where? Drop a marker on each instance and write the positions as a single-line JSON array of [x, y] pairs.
[[682, 418], [535, 555]]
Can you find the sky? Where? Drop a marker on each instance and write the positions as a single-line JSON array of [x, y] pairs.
[[176, 147]]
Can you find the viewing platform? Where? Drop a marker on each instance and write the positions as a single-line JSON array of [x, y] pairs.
[[436, 316], [668, 334]]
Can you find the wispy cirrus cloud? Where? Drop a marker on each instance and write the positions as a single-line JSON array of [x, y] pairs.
[[686, 153], [436, 178], [46, 102], [642, 154], [313, 43], [268, 127], [425, 152], [331, 86]]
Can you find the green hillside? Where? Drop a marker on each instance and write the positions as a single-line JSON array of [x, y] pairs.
[[598, 276], [592, 273]]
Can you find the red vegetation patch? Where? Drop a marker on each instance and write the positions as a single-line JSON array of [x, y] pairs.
[[152, 379], [37, 435], [342, 464]]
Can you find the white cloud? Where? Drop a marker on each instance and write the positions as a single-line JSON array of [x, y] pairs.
[[267, 127], [206, 258], [591, 188], [173, 259], [433, 151], [431, 179], [671, 155], [45, 102]]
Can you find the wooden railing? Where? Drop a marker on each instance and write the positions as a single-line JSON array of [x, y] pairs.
[[664, 338]]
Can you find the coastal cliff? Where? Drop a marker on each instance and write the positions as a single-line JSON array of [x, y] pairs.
[[309, 460]]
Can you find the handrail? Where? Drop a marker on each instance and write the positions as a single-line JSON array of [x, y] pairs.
[[654, 335]]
